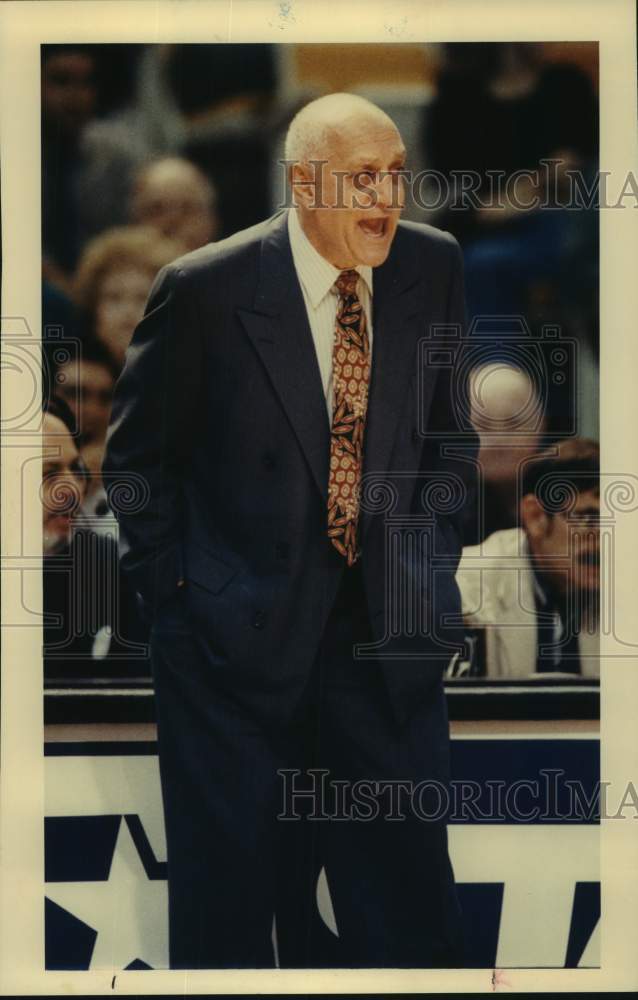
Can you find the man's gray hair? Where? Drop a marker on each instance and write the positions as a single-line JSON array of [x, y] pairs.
[[310, 130]]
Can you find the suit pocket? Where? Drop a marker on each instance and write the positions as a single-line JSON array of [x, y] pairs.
[[156, 579], [209, 571], [172, 615]]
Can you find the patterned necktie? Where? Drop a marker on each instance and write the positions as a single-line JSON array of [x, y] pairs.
[[351, 378]]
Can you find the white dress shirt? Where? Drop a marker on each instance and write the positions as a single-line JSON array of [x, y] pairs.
[[317, 277]]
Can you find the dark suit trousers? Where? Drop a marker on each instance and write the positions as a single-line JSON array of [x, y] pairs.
[[244, 841]]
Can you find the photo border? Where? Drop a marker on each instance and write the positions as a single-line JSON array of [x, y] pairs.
[[23, 27]]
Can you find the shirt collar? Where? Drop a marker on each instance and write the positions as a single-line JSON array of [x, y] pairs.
[[316, 274]]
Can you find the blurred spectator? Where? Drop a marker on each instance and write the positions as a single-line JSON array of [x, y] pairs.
[[530, 594], [63, 478], [66, 643], [508, 414], [501, 108], [58, 311], [211, 78], [86, 384], [89, 613], [69, 98], [87, 161], [113, 280], [211, 103], [225, 95], [59, 324], [176, 198]]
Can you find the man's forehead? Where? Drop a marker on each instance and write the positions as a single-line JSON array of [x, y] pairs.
[[585, 497], [364, 140]]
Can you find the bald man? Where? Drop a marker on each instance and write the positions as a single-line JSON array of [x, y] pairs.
[[173, 196], [508, 412], [294, 546]]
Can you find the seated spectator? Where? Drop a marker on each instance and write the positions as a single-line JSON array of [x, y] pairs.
[[530, 594], [63, 478], [508, 414], [86, 384], [173, 196], [113, 280], [89, 613]]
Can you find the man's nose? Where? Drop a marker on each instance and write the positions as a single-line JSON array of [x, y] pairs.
[[389, 190]]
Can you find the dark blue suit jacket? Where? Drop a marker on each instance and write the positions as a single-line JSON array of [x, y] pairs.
[[217, 462]]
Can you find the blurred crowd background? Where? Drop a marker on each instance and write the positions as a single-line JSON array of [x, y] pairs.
[[152, 150]]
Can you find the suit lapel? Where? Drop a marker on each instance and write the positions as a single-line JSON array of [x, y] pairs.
[[399, 320], [280, 332]]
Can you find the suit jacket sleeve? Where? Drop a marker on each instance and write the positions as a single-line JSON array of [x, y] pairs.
[[153, 420], [453, 447]]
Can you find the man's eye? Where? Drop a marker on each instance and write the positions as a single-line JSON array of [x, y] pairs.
[[366, 175]]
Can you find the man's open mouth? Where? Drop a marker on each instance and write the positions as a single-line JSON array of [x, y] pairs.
[[374, 228]]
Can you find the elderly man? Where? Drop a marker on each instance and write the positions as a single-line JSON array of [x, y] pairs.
[[63, 477], [173, 196], [87, 633], [508, 413], [273, 403], [530, 593], [67, 639]]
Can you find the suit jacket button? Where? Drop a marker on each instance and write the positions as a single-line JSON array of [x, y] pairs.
[[282, 550], [269, 460], [259, 620]]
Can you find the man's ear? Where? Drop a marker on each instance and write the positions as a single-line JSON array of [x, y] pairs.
[[533, 517], [302, 184]]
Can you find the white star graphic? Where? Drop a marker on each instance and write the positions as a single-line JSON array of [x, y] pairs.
[[128, 911]]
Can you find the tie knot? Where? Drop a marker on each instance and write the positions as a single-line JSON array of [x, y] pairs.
[[346, 283]]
